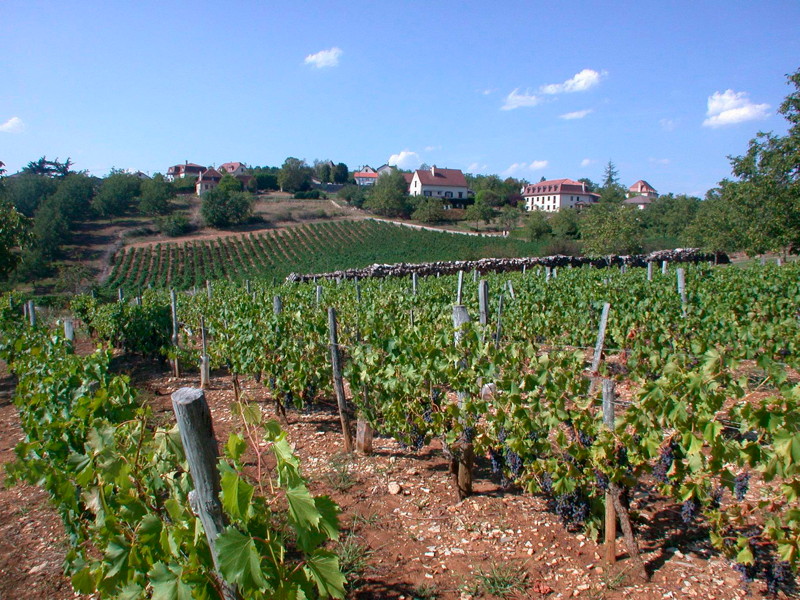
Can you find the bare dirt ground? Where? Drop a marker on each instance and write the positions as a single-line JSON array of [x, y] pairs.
[[403, 530]]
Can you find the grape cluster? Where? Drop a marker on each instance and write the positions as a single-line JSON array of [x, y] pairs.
[[468, 434], [665, 460], [689, 510], [601, 480], [740, 485], [585, 439], [573, 508], [776, 574]]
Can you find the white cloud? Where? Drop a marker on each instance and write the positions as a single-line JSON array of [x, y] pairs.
[[13, 125], [432, 148], [476, 168], [668, 124], [659, 161], [488, 91], [534, 165], [324, 58], [405, 160], [517, 100], [580, 82], [578, 114], [587, 161], [729, 108]]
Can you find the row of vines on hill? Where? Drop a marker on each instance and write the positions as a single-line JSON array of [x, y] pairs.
[[711, 421], [275, 254]]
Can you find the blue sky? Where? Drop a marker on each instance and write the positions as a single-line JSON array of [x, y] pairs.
[[667, 90]]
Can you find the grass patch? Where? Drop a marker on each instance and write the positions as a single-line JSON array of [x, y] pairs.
[[353, 556], [501, 579], [340, 477]]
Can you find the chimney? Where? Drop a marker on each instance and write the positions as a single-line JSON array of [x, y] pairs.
[[433, 170]]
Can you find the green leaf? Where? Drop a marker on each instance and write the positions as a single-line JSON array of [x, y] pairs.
[[239, 560], [131, 591], [84, 581], [323, 568], [236, 446], [745, 556], [236, 494], [302, 508], [167, 584]]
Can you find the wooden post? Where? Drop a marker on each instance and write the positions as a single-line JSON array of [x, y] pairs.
[[31, 313], [649, 270], [763, 261], [547, 274], [176, 369], [601, 339], [338, 385], [205, 371], [277, 305], [778, 262], [555, 272], [611, 515], [460, 287], [474, 275], [414, 283], [120, 295], [483, 301], [465, 451], [524, 267], [69, 330], [247, 286], [510, 288], [197, 435], [208, 288], [682, 289], [411, 320], [663, 267], [499, 321], [364, 435], [319, 294]]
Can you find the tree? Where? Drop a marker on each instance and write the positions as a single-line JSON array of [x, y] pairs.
[[768, 191], [14, 235], [565, 224], [48, 168], [229, 183], [222, 208], [27, 192], [717, 226], [669, 216], [429, 210], [610, 175], [591, 186], [489, 197], [294, 176], [74, 196], [340, 173], [478, 211], [509, 217], [389, 196], [116, 194], [155, 196], [537, 226], [323, 171], [611, 229]]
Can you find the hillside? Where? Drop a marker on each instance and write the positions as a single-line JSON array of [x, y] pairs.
[[322, 246]]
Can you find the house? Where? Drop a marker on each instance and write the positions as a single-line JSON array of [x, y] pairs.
[[138, 174], [640, 202], [448, 184], [232, 168], [366, 176], [385, 170], [642, 188], [208, 180], [555, 194], [185, 170]]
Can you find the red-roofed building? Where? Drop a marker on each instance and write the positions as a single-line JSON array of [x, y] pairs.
[[185, 170], [449, 184], [232, 168], [366, 176], [208, 180], [642, 188], [555, 194]]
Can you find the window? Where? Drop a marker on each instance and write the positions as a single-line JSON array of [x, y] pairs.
[[427, 193], [448, 194]]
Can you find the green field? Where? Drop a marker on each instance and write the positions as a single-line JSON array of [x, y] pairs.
[[304, 249]]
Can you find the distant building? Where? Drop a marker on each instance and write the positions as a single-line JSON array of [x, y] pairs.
[[385, 170], [208, 180], [556, 194], [366, 176], [640, 202], [187, 169], [447, 184], [232, 168], [642, 188], [138, 174]]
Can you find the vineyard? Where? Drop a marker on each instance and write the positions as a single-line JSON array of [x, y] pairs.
[[615, 396], [307, 248]]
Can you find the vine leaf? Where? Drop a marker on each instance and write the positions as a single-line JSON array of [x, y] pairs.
[[239, 560], [167, 584], [323, 568]]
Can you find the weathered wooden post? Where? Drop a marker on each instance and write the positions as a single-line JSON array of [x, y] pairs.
[[682, 289], [200, 446], [483, 301], [69, 330], [464, 449], [460, 287], [338, 385], [499, 331], [649, 270], [120, 295], [173, 301], [664, 267], [510, 288], [31, 313], [247, 286], [319, 294], [611, 515], [277, 305], [474, 275], [601, 339], [414, 283], [205, 369], [208, 289], [547, 274]]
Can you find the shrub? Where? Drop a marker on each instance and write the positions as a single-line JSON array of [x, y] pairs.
[[221, 208], [174, 225], [309, 195]]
